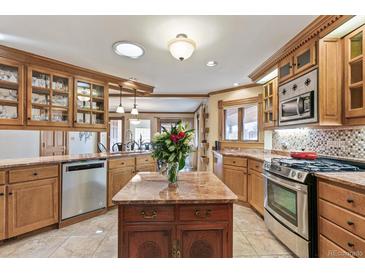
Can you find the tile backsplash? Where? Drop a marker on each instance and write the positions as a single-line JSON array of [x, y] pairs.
[[347, 142]]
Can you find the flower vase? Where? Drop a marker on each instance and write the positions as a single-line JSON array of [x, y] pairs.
[[172, 173]]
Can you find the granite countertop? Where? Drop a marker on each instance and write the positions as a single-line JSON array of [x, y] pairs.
[[348, 178], [7, 163], [255, 154], [194, 187]]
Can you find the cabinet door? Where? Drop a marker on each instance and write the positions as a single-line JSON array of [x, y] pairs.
[[256, 191], [32, 205], [118, 178], [270, 103], [304, 58], [146, 241], [354, 74], [146, 168], [203, 241], [11, 92], [286, 68], [2, 212], [236, 179]]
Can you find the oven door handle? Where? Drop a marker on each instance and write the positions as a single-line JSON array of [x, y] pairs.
[[298, 100], [285, 183]]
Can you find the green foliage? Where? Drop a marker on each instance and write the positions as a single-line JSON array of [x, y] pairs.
[[173, 146]]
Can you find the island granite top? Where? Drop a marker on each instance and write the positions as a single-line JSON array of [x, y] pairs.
[[193, 187]]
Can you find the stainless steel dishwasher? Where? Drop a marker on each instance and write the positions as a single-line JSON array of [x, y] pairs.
[[83, 187]]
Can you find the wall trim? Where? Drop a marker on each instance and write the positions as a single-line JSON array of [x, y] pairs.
[[244, 86]]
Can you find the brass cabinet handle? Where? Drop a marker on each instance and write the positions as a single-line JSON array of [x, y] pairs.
[[175, 253], [207, 214], [153, 214]]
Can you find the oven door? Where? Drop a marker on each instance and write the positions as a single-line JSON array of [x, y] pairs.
[[298, 109], [287, 201]]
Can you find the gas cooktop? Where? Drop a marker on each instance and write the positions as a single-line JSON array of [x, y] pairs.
[[319, 165]]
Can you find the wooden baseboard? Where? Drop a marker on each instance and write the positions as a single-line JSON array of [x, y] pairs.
[[82, 217]]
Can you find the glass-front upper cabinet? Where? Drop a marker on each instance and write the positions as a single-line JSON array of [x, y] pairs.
[[49, 98], [354, 74], [91, 108], [270, 103], [11, 92], [304, 58], [286, 68]]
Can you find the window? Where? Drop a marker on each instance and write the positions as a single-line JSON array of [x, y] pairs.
[[250, 123], [141, 130], [167, 125], [231, 124], [115, 133]]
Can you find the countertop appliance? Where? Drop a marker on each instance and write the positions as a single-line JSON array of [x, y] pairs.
[[83, 187], [298, 100], [290, 200]]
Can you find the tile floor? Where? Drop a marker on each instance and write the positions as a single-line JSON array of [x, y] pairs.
[[97, 237]]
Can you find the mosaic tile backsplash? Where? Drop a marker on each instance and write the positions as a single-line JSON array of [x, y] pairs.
[[347, 143]]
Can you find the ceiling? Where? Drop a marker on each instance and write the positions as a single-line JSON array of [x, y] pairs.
[[238, 43]]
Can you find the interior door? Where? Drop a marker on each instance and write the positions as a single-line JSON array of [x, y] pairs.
[[2, 212], [53, 143], [203, 241]]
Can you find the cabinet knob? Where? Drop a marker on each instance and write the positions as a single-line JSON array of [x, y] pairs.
[[350, 244], [2, 194], [350, 222], [10, 193], [35, 174], [350, 200]]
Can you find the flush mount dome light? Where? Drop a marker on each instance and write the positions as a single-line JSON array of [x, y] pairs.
[[128, 49], [181, 47]]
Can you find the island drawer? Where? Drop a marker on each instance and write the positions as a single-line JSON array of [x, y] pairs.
[[328, 249], [2, 177], [121, 162], [144, 160], [33, 173], [204, 212], [346, 240], [342, 217], [255, 165], [343, 197], [148, 213], [235, 161]]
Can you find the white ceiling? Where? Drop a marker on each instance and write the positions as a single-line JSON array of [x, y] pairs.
[[153, 104], [238, 43]]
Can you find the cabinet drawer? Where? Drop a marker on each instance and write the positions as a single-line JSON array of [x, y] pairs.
[[235, 161], [255, 165], [203, 212], [348, 241], [328, 249], [2, 177], [32, 173], [343, 197], [148, 213], [342, 217], [121, 162], [144, 160]]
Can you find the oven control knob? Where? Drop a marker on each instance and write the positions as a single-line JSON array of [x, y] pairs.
[[295, 86], [293, 173], [300, 175], [284, 91], [307, 82]]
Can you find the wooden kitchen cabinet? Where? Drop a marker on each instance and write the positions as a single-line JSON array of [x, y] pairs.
[[146, 168], [270, 103], [91, 104], [2, 212], [236, 179], [11, 92], [49, 98], [32, 205], [256, 190], [330, 81], [146, 241], [286, 70], [354, 74], [206, 241], [117, 179]]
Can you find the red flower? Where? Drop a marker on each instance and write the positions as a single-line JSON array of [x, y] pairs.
[[181, 135], [174, 138]]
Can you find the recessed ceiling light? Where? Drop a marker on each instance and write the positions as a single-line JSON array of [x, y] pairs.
[[211, 63], [236, 84], [132, 79], [128, 49]]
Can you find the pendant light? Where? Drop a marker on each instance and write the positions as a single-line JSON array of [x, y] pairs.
[[120, 108], [134, 109]]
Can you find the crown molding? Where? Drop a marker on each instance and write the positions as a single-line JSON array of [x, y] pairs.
[[317, 29], [244, 86]]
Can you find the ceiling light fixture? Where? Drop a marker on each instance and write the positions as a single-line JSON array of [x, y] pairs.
[[181, 47], [133, 79], [211, 63], [120, 108], [236, 84], [128, 49], [134, 109]]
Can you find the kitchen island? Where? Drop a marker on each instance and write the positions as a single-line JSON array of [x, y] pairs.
[[195, 220]]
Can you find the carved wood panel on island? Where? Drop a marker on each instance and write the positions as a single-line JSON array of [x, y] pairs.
[[193, 221]]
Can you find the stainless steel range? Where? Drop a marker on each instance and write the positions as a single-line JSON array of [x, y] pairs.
[[290, 200], [298, 103]]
